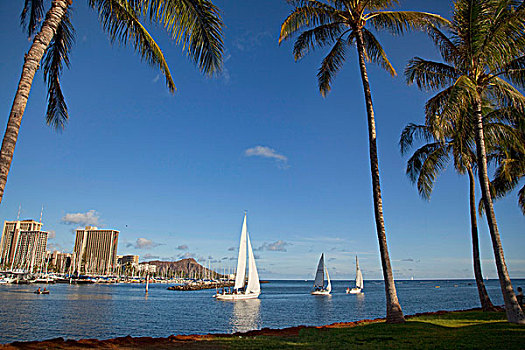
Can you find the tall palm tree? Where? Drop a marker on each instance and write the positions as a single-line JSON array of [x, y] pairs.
[[455, 142], [483, 56], [196, 24], [343, 23]]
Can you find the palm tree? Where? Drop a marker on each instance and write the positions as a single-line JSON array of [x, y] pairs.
[[196, 24], [455, 142], [343, 24], [483, 57]]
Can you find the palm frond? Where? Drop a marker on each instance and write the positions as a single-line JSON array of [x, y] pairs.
[[331, 64], [398, 22], [374, 5], [320, 36], [120, 21], [434, 106], [32, 14], [56, 56], [375, 53], [307, 13], [514, 71], [429, 75], [506, 94], [504, 37], [446, 46], [425, 165], [195, 24], [413, 132], [460, 98], [471, 19]]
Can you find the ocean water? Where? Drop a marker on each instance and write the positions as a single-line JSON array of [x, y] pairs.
[[107, 311]]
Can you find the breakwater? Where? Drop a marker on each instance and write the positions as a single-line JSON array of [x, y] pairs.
[[200, 286]]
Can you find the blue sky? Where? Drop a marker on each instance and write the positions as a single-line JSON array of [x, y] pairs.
[[174, 173]]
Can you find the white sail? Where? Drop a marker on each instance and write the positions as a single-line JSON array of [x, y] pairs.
[[241, 261], [253, 277], [319, 275], [359, 280], [329, 286], [358, 275]]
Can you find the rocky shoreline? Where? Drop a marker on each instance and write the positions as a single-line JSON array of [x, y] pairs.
[[200, 286], [195, 341]]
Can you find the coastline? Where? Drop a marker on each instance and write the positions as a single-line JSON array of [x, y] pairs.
[[199, 341]]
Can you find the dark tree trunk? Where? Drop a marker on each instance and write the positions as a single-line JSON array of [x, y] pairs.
[[394, 314], [512, 308], [31, 63], [486, 304]]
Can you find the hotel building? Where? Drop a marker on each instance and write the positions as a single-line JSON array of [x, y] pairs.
[[96, 251], [23, 245], [125, 259]]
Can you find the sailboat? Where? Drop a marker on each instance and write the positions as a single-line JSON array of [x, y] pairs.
[[253, 287], [319, 288], [358, 280]]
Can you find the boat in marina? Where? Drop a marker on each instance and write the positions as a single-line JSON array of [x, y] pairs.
[[359, 285], [241, 289], [319, 287]]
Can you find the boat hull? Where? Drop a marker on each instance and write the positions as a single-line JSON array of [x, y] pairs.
[[320, 292], [234, 297], [354, 291]]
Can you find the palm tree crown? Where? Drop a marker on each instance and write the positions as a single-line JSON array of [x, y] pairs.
[[338, 23], [195, 24], [483, 57]]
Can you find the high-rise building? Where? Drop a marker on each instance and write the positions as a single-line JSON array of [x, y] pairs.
[[96, 250], [23, 245], [60, 262], [125, 259]]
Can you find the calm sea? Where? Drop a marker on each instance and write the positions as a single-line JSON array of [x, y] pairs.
[[107, 311]]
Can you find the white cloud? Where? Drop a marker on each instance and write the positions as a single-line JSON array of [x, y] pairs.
[[51, 235], [89, 218], [277, 246], [143, 243], [149, 256], [182, 247], [265, 152]]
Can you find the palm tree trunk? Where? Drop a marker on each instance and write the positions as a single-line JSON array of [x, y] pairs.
[[31, 65], [486, 304], [512, 308], [394, 314]]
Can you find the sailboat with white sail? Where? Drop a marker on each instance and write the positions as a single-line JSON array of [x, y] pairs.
[[252, 288], [359, 285], [319, 287]]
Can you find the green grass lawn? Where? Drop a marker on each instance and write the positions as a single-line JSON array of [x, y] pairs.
[[465, 330]]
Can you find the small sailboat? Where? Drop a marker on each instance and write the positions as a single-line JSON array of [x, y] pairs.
[[319, 288], [358, 280], [253, 287]]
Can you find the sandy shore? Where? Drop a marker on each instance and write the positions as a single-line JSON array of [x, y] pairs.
[[187, 341]]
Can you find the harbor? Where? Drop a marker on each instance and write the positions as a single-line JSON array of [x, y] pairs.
[[103, 311]]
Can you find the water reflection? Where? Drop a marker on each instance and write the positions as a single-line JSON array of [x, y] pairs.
[[322, 306], [246, 315], [360, 306]]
